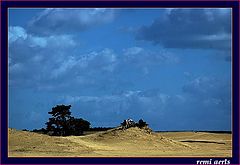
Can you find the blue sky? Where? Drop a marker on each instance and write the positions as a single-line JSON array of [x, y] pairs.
[[170, 67]]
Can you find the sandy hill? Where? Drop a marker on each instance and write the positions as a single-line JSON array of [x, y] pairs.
[[133, 142], [24, 143], [131, 139]]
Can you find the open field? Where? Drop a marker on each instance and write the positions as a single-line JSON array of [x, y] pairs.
[[133, 142]]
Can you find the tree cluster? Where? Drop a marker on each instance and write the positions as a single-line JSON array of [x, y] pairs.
[[63, 124], [140, 124]]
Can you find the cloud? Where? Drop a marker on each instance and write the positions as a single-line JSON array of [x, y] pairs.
[[65, 21], [33, 58], [114, 108], [191, 29], [146, 98], [133, 51], [208, 87], [143, 58], [105, 59], [24, 46], [64, 67], [160, 110], [203, 104], [82, 66], [16, 32], [59, 41], [211, 93], [50, 62], [18, 35]]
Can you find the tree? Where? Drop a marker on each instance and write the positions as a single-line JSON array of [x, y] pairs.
[[141, 123], [63, 124], [58, 123], [77, 126]]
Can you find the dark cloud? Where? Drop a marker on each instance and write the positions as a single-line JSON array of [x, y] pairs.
[[65, 21], [190, 28]]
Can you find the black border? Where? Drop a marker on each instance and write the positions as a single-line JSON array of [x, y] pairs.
[[117, 4]]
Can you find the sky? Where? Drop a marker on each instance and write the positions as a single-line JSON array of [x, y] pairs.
[[170, 67]]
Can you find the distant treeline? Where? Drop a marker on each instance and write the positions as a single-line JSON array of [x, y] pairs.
[[100, 128], [44, 131]]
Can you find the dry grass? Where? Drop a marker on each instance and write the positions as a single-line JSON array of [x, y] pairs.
[[133, 142]]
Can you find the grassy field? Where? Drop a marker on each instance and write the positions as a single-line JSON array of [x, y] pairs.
[[133, 142]]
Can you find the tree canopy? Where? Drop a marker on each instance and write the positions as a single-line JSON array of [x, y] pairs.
[[63, 124]]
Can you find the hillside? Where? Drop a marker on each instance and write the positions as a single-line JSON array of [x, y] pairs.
[[24, 143], [132, 138], [132, 142]]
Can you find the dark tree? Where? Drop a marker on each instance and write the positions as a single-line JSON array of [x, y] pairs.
[[77, 126], [63, 124], [141, 123], [58, 123]]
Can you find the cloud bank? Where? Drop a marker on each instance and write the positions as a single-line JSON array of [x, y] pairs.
[[190, 29]]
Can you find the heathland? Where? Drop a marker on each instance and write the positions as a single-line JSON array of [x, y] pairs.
[[118, 142]]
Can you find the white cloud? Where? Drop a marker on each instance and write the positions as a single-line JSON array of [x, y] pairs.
[[19, 34], [127, 96], [37, 41], [51, 58], [200, 85], [58, 41], [144, 58], [132, 51], [64, 21], [16, 32], [105, 60], [64, 67], [34, 60], [61, 41]]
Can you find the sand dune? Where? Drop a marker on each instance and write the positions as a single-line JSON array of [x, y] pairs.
[[132, 142]]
